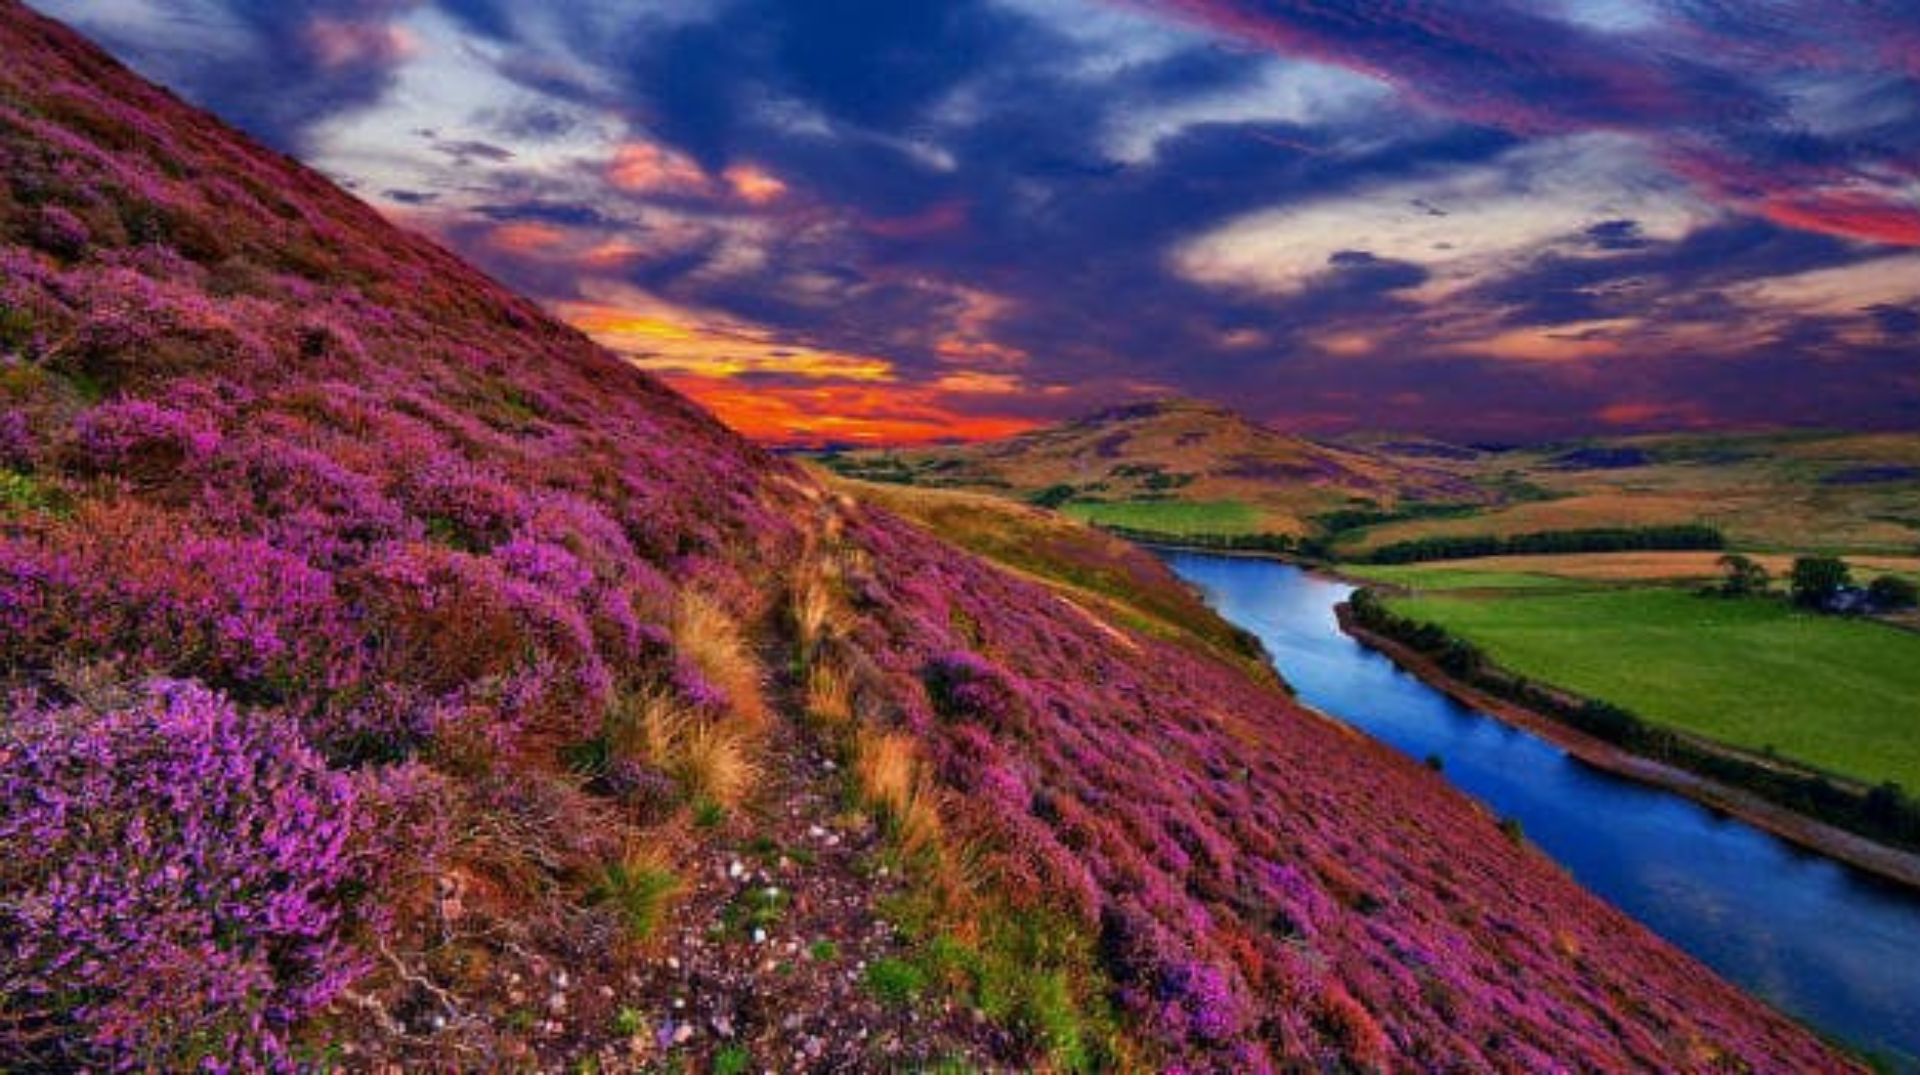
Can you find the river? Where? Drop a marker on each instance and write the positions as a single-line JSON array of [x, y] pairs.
[[1823, 942]]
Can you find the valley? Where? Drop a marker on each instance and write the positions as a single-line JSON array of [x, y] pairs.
[[395, 679]]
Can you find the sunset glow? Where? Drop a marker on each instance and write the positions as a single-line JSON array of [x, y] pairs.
[[1013, 211]]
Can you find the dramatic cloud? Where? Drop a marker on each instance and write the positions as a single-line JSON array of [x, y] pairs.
[[870, 221]]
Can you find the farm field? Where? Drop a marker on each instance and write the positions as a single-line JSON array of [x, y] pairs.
[[1224, 517], [1783, 491], [1623, 567], [1842, 695]]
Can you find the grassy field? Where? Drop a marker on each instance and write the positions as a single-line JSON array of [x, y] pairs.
[[1785, 492], [1222, 517], [1840, 694], [1451, 576], [1618, 567]]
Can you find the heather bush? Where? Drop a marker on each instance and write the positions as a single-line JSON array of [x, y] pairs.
[[142, 441], [175, 871], [59, 231], [964, 686]]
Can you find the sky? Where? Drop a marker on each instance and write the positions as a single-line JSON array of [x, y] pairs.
[[881, 221]]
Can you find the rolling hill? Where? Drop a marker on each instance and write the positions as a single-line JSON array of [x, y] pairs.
[[1778, 491], [1177, 466], [394, 679]]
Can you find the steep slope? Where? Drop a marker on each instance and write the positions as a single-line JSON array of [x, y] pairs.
[[1124, 463], [393, 678]]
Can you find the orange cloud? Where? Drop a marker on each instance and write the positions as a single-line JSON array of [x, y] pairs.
[[836, 412], [652, 169], [826, 396], [754, 185], [522, 237], [338, 43], [1643, 413], [664, 340]]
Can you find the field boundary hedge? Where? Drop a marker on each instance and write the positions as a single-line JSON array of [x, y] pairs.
[[1555, 542]]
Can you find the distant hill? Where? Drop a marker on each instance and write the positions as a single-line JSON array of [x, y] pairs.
[[1775, 491], [1189, 465], [1180, 467]]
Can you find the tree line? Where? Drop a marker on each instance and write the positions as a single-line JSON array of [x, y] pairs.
[[1555, 542]]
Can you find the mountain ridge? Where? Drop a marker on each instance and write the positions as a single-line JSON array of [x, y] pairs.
[[1184, 450]]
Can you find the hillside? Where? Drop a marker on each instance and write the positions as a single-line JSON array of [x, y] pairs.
[[395, 679], [1176, 466], [1783, 491], [1119, 580], [1188, 468]]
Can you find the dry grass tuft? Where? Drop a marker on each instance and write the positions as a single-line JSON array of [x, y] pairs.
[[829, 695], [714, 763], [890, 775], [709, 637], [813, 610]]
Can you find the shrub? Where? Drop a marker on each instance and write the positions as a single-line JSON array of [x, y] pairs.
[[60, 232], [143, 441], [175, 874], [1644, 538], [1817, 577], [964, 686], [1891, 593], [1744, 577]]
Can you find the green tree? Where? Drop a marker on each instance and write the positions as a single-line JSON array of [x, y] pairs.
[[1817, 577], [1890, 593], [1744, 577], [1053, 497]]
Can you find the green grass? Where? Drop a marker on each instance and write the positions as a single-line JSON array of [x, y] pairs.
[[639, 890], [1225, 518], [895, 981], [1840, 694], [1420, 577], [757, 907], [732, 1060]]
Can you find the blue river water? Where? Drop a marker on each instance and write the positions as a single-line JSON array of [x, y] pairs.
[[1821, 941]]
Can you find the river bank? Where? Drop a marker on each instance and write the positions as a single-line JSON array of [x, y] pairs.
[[1856, 851], [1808, 933]]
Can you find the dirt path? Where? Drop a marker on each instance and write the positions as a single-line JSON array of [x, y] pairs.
[[764, 963]]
